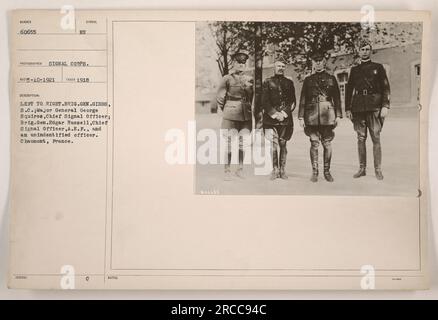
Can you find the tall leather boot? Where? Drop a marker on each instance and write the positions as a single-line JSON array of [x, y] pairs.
[[274, 173], [239, 171], [314, 161], [227, 168], [283, 157], [327, 161], [377, 153], [362, 152]]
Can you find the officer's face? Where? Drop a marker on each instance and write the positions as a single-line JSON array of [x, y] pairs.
[[239, 66], [365, 52], [279, 68], [319, 64]]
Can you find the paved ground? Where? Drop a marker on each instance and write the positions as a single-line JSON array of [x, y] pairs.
[[400, 163]]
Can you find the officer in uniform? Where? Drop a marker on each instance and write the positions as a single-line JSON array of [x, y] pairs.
[[367, 104], [319, 112], [234, 98], [278, 102]]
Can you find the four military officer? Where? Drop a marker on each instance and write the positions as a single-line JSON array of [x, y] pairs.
[[278, 102], [319, 113], [367, 104]]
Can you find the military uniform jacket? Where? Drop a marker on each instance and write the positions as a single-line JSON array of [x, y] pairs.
[[235, 95], [320, 101], [278, 95], [367, 88]]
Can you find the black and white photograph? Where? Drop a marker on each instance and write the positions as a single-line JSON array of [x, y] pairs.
[[308, 108]]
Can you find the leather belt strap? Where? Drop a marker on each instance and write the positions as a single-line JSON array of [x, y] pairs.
[[322, 99], [232, 98]]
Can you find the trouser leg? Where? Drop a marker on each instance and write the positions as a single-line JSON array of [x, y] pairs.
[[362, 151], [377, 152], [375, 123], [360, 126]]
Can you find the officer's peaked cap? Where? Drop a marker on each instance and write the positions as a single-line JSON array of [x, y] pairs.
[[317, 55], [240, 55], [364, 42]]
